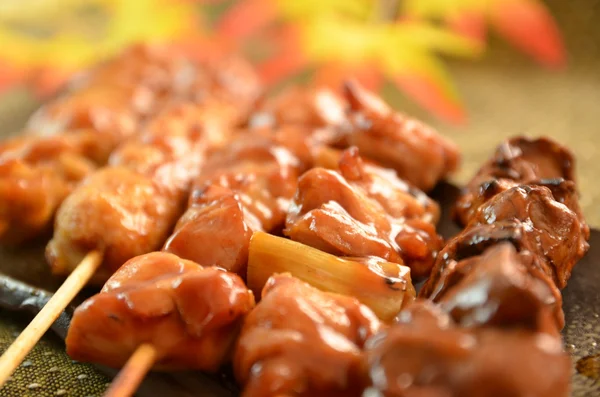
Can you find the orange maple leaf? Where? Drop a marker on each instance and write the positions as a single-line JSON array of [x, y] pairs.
[[528, 25]]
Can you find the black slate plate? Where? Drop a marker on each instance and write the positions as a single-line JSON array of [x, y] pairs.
[[581, 305]]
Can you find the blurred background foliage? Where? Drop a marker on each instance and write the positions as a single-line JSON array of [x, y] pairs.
[[393, 43]]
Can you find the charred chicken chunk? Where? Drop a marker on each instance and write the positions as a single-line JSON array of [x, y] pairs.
[[502, 289], [345, 213], [425, 354], [299, 341], [191, 315], [473, 242], [532, 221], [517, 161], [555, 229]]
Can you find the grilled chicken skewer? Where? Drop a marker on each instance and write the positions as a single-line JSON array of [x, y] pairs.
[[130, 206], [73, 135], [496, 328]]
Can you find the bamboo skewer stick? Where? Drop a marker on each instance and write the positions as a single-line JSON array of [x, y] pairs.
[[14, 355], [134, 371]]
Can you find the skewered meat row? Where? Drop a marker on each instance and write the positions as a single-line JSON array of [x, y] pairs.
[[364, 210], [497, 329], [359, 118], [74, 134]]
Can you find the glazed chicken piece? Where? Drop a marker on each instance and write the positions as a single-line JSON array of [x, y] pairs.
[[365, 211], [130, 207], [517, 294], [191, 315], [530, 219], [245, 187], [555, 229], [414, 150], [397, 197], [425, 354], [299, 341], [518, 161]]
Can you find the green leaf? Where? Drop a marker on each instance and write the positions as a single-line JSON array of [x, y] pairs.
[[432, 38]]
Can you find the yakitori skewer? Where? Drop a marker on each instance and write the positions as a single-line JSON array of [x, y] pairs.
[[495, 330], [142, 190], [243, 187]]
